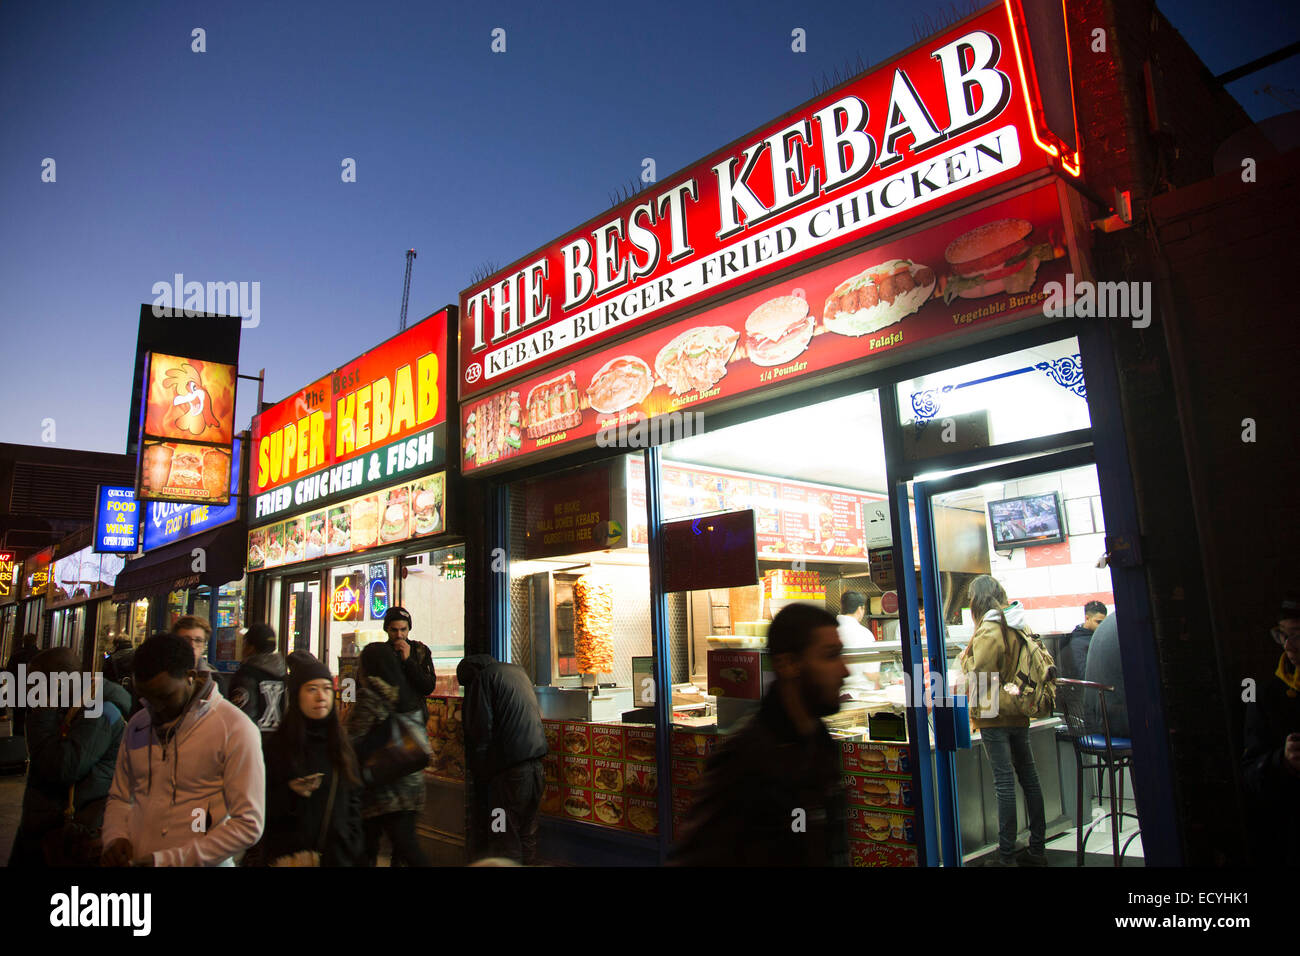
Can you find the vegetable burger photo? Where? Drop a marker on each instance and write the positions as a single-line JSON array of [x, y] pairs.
[[999, 256]]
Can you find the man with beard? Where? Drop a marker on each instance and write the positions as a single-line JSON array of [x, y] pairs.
[[772, 795]]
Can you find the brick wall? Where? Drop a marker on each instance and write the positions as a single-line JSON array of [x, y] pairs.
[[1121, 152], [1240, 346]]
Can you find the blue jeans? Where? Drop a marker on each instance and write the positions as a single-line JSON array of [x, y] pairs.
[[1008, 750]]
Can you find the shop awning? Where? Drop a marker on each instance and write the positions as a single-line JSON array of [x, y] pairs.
[[172, 568]]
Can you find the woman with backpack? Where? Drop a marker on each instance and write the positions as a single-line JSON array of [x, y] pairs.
[[990, 661]]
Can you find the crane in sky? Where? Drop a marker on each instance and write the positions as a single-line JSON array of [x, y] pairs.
[[406, 288]]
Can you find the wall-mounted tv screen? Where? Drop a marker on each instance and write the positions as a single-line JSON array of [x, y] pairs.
[[1026, 521], [717, 551]]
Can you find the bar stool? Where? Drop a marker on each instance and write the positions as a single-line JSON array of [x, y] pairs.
[[1099, 751]]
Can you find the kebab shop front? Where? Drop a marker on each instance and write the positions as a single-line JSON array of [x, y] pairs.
[[814, 366], [351, 513]]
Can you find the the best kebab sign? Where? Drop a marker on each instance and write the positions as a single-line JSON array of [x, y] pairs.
[[952, 117], [985, 267], [378, 419]]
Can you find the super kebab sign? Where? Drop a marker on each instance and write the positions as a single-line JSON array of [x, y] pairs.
[[951, 117], [377, 419]]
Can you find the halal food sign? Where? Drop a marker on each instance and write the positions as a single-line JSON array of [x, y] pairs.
[[950, 118], [381, 415]]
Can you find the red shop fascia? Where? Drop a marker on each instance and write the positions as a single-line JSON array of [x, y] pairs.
[[969, 129], [872, 182]]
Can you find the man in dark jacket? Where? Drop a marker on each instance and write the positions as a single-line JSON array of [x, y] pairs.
[[504, 747], [1271, 763], [773, 794], [257, 688], [417, 660], [1074, 649], [26, 651], [1104, 667]]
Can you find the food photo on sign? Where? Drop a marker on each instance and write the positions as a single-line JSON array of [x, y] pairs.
[[186, 430], [987, 266]]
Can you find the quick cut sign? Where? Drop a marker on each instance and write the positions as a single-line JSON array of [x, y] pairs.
[[952, 117], [117, 520]]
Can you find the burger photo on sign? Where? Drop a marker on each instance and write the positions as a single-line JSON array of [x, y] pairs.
[[998, 256], [620, 383], [426, 505], [396, 515], [879, 296], [778, 330]]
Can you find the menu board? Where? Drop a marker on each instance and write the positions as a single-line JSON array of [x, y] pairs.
[[793, 519], [389, 516], [882, 807], [603, 774]]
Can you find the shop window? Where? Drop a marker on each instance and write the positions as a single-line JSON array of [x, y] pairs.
[[1042, 538], [814, 479], [580, 625], [227, 622], [433, 590], [1032, 393]]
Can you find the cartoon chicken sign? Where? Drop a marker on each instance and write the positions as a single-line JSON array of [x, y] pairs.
[[190, 400]]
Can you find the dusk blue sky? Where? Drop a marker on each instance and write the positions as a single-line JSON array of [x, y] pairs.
[[225, 165]]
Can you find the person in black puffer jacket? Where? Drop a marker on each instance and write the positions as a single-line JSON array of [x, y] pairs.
[[71, 753], [307, 756], [504, 747], [258, 687]]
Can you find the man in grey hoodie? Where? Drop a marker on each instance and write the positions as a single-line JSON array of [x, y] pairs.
[[189, 788]]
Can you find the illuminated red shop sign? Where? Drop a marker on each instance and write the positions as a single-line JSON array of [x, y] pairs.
[[990, 265], [372, 422], [955, 115]]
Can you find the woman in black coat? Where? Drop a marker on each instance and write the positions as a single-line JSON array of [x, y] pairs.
[[311, 770]]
